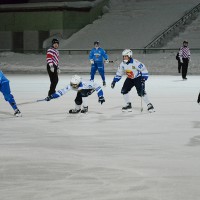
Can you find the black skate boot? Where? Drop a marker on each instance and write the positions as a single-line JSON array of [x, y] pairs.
[[74, 111], [84, 110], [128, 108], [104, 83], [150, 108], [17, 113]]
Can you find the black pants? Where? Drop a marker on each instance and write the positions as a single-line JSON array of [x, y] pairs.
[[184, 66], [53, 79], [129, 83], [179, 66], [82, 93]]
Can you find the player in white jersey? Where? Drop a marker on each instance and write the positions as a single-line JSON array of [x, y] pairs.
[[137, 74], [83, 89]]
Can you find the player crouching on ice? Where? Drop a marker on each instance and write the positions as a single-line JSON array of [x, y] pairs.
[[5, 89], [84, 89], [137, 74]]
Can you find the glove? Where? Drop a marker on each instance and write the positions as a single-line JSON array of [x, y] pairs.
[[143, 80], [101, 99], [106, 61], [48, 98], [113, 84], [51, 67], [58, 70], [91, 61]]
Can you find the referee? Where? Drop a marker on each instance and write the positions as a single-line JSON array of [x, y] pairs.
[[184, 55]]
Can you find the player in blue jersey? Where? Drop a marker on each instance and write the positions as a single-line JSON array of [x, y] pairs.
[[96, 57], [137, 74], [5, 89], [83, 89]]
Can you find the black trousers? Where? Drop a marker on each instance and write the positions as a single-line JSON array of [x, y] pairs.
[[136, 82], [53, 79], [81, 94], [179, 66], [184, 66]]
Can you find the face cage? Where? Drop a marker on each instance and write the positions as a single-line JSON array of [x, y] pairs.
[[75, 86]]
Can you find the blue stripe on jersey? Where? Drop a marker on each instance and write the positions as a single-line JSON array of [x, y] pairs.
[[100, 93], [145, 75], [55, 95], [117, 78]]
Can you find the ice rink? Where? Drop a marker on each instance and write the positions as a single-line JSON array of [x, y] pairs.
[[49, 154]]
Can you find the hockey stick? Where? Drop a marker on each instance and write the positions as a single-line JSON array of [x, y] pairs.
[[30, 102], [141, 106], [111, 61]]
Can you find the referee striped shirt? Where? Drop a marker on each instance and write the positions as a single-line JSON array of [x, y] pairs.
[[184, 52], [52, 56]]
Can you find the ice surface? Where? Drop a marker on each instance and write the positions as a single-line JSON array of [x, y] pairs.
[[106, 154]]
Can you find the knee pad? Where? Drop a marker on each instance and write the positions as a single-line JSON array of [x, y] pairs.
[[78, 102], [124, 92]]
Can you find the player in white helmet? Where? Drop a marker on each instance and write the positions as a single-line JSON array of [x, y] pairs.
[[137, 74], [84, 88]]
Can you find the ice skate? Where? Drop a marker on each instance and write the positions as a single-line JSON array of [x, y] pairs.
[[150, 108], [17, 113], [84, 110], [74, 111], [127, 108], [104, 83]]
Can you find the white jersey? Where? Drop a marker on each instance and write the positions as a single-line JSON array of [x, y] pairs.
[[132, 69]]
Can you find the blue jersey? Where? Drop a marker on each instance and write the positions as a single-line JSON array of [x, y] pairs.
[[3, 79], [97, 55]]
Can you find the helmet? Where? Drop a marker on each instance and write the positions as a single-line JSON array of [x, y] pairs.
[[75, 81], [127, 52], [96, 42], [55, 41]]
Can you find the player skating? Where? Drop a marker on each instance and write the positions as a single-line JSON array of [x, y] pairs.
[[96, 57], [137, 74], [84, 89], [5, 89]]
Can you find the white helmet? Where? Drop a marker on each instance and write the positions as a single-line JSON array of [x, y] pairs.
[[75, 81], [127, 52]]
